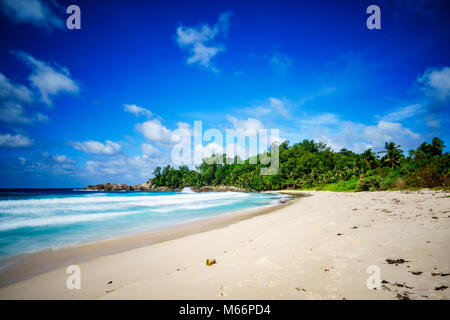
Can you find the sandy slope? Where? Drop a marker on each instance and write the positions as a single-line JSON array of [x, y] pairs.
[[317, 248]]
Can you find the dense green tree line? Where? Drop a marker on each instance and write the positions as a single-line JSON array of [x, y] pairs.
[[309, 164]]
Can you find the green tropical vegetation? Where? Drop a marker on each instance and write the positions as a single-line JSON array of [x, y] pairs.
[[313, 165]]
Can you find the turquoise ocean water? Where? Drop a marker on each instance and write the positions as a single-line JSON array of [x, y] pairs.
[[33, 220]]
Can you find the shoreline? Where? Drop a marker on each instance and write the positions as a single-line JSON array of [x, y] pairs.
[[28, 265], [320, 247]]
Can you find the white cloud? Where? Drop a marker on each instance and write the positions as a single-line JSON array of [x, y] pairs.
[[279, 106], [48, 80], [47, 164], [272, 105], [14, 92], [136, 110], [404, 113], [149, 150], [199, 41], [436, 82], [247, 127], [59, 158], [155, 131], [12, 96], [15, 113], [386, 131], [280, 62], [96, 147], [124, 168], [338, 134], [35, 12], [14, 141]]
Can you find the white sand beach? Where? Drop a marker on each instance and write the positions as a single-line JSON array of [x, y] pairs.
[[318, 247]]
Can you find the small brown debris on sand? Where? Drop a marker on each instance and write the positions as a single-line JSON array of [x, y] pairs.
[[434, 274], [402, 285], [416, 273], [441, 288], [396, 261], [210, 262], [403, 296]]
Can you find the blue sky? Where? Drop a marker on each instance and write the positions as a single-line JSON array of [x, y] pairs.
[[101, 103]]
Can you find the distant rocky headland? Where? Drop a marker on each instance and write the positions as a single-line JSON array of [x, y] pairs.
[[149, 186]]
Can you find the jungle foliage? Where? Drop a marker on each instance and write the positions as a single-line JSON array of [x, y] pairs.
[[313, 165]]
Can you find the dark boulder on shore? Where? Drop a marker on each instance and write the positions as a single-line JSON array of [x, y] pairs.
[[149, 186]]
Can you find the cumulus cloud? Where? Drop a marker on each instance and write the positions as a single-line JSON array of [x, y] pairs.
[[149, 150], [96, 147], [14, 141], [436, 82], [247, 127], [136, 110], [50, 81], [155, 131], [200, 41], [384, 131], [36, 12], [125, 169], [338, 134]]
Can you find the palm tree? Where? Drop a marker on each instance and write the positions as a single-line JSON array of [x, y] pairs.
[[437, 146], [393, 155], [369, 157]]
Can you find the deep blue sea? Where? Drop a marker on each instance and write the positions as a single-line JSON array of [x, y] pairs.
[[38, 219]]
